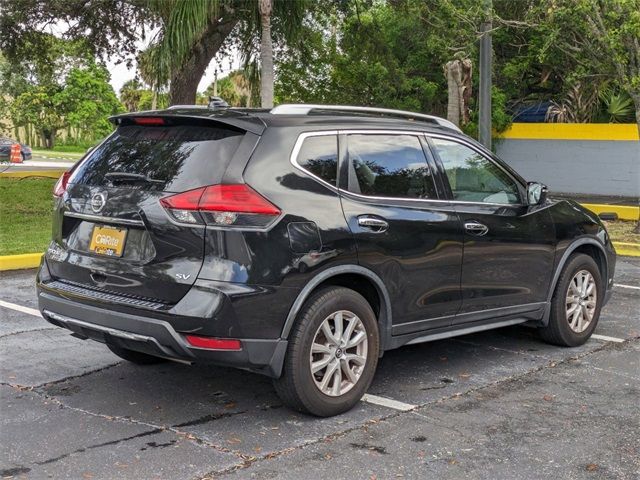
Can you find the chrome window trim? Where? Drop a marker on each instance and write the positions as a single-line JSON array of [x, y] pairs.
[[298, 145], [296, 150], [481, 153], [103, 219]]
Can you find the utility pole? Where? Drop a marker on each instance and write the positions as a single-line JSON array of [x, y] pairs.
[[484, 123], [215, 82]]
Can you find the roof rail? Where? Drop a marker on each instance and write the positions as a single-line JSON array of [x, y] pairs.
[[306, 109], [178, 107]]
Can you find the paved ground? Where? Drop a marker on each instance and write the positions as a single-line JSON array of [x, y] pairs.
[[493, 405], [43, 161]]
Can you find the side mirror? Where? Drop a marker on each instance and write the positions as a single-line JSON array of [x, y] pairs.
[[536, 193]]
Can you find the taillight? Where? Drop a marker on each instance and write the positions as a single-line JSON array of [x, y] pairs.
[[223, 205], [61, 185], [212, 343]]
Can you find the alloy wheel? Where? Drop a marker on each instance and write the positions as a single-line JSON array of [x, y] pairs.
[[582, 297], [338, 353]]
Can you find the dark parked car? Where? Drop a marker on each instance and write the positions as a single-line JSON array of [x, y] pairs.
[[304, 242], [5, 149]]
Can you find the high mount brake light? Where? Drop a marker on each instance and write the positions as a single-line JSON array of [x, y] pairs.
[[236, 205], [148, 120], [61, 185]]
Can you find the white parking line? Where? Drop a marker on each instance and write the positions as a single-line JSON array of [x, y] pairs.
[[626, 286], [387, 402], [20, 308], [605, 338]]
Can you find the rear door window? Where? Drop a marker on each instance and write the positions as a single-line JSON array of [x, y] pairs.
[[172, 158], [389, 166]]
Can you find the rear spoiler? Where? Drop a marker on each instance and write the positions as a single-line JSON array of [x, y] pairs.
[[228, 118]]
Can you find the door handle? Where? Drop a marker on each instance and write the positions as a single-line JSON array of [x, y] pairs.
[[476, 228], [374, 224]]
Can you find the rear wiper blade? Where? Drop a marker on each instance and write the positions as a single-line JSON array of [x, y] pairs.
[[131, 177]]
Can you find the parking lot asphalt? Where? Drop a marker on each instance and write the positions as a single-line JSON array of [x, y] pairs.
[[499, 404]]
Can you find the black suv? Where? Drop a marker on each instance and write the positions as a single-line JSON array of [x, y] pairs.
[[305, 241]]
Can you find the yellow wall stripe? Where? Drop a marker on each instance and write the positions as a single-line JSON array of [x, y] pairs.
[[572, 131]]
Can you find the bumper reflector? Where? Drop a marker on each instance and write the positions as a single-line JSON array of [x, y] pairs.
[[212, 343]]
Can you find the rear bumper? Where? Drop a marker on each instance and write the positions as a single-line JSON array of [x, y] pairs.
[[156, 337]]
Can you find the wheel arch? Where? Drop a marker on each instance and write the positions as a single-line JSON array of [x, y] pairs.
[[357, 278], [588, 246]]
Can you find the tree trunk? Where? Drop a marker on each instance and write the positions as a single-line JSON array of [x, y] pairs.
[[453, 72], [466, 89], [185, 80], [266, 55]]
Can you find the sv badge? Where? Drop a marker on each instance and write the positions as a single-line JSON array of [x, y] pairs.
[[182, 276]]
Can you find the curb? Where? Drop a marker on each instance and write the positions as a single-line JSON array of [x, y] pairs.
[[33, 173], [20, 262], [627, 249], [624, 212]]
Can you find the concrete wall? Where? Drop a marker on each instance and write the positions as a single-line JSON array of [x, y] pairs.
[[599, 159]]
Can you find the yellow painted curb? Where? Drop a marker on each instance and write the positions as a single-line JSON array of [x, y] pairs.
[[19, 262], [33, 173], [627, 249], [624, 212], [572, 131]]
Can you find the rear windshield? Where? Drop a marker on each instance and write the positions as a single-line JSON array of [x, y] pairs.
[[169, 158]]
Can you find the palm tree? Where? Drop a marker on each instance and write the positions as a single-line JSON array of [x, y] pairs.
[[266, 54], [193, 32], [130, 94]]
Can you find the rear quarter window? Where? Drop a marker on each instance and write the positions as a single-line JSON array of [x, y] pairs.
[[319, 156], [174, 158]]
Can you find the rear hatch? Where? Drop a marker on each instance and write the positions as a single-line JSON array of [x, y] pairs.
[[113, 236]]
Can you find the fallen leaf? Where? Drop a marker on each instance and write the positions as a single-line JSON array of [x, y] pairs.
[[230, 405], [87, 475], [592, 467], [548, 398], [464, 375], [234, 441]]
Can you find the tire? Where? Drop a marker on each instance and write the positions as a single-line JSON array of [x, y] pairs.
[[298, 387], [132, 356], [559, 331]]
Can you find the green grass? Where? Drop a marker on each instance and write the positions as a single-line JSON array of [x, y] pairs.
[[622, 231], [70, 148], [25, 215]]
